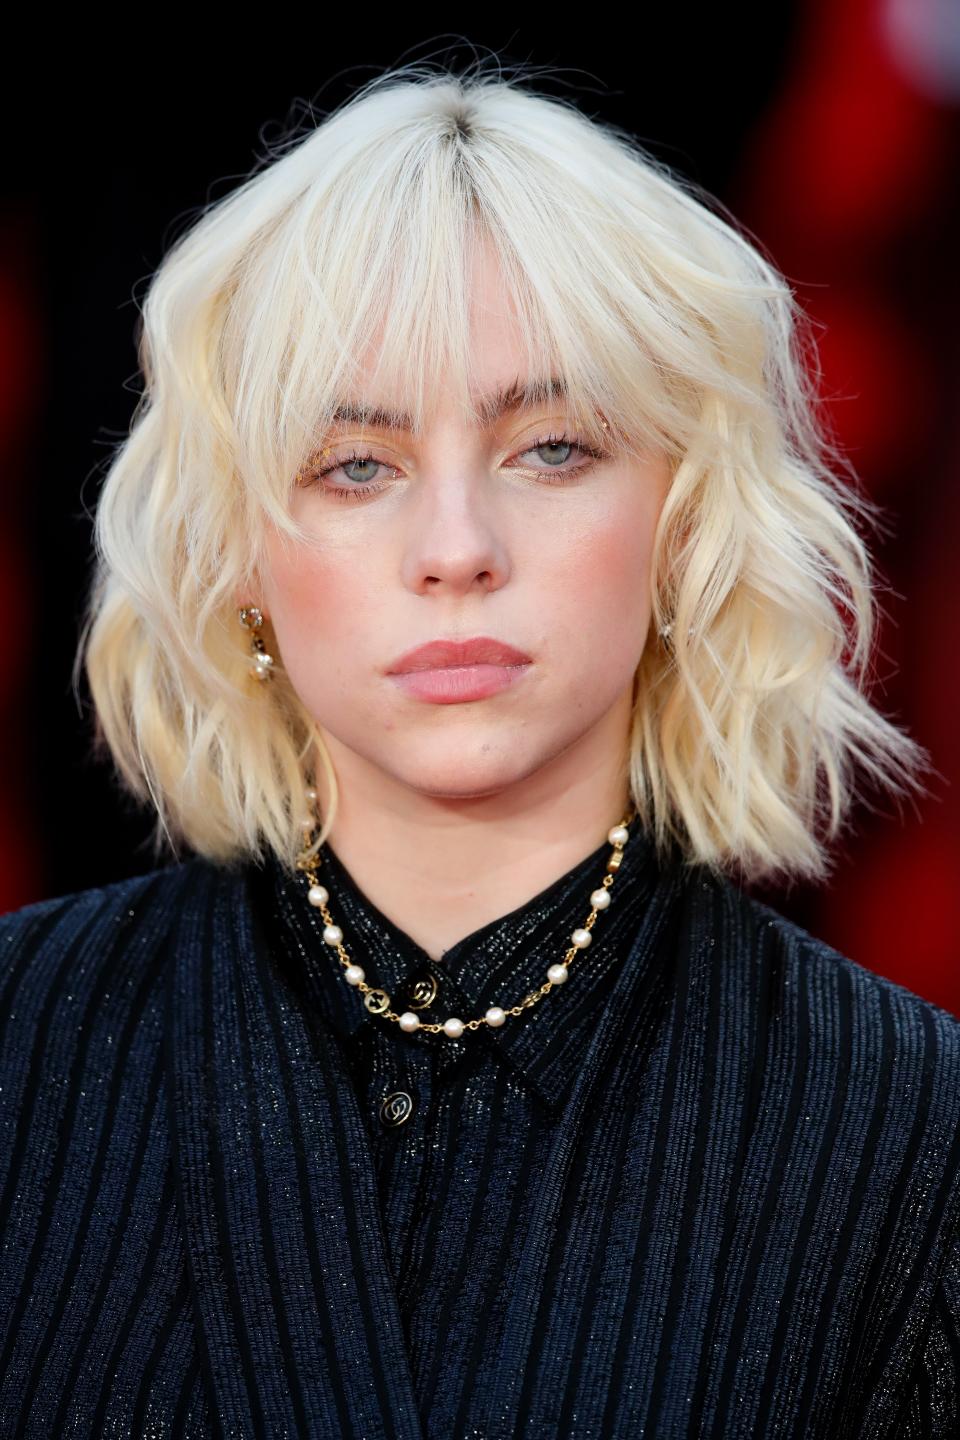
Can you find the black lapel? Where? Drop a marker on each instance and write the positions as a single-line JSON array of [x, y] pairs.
[[298, 1323]]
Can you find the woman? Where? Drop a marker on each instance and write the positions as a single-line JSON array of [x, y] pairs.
[[479, 605]]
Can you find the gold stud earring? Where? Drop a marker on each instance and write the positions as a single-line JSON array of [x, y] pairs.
[[251, 618]]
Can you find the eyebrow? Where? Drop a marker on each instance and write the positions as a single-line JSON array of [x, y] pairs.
[[520, 395]]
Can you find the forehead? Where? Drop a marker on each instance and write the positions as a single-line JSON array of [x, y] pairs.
[[498, 366]]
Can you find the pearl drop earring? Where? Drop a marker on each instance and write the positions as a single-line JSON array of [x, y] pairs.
[[251, 618]]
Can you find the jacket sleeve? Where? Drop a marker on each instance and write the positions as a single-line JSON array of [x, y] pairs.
[[933, 1410]]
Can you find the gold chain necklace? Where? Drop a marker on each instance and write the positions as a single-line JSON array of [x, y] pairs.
[[378, 1001]]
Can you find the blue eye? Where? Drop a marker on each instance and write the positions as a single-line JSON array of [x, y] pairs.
[[560, 442], [364, 488]]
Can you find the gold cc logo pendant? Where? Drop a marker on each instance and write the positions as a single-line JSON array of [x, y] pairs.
[[424, 992]]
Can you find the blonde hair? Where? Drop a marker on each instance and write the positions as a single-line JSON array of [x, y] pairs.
[[655, 311]]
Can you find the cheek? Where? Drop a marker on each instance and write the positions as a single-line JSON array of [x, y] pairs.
[[601, 585], [319, 604]]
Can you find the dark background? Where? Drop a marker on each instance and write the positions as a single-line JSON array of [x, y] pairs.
[[833, 133]]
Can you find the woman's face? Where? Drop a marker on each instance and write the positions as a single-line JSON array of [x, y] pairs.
[[510, 532]]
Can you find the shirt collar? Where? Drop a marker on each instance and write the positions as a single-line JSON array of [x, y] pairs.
[[497, 964]]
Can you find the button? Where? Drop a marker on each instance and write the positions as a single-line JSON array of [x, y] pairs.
[[395, 1108]]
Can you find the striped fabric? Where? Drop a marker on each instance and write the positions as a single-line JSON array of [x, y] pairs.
[[707, 1187]]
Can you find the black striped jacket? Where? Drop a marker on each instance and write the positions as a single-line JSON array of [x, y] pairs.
[[707, 1187]]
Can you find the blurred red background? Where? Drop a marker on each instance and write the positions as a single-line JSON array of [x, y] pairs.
[[851, 182]]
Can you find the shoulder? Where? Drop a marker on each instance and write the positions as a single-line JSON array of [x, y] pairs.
[[777, 952], [85, 987], [802, 993], [99, 927]]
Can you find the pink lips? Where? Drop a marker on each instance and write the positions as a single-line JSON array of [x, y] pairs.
[[442, 653], [449, 672]]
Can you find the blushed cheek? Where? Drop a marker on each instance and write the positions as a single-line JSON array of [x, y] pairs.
[[312, 606], [605, 587]]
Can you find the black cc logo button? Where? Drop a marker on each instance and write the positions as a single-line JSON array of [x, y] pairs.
[[396, 1108]]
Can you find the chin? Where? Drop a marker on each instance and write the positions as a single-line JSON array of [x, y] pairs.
[[463, 787], [464, 776]]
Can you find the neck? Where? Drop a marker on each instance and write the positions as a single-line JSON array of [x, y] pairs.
[[442, 867]]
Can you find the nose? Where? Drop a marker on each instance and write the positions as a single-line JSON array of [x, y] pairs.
[[455, 541]]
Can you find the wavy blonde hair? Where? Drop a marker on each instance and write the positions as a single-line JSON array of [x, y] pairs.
[[653, 308]]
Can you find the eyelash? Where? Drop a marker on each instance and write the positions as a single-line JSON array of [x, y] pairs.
[[549, 476]]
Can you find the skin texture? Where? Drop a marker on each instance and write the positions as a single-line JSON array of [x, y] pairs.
[[451, 816]]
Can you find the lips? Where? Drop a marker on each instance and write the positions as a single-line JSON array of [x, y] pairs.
[[444, 654]]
